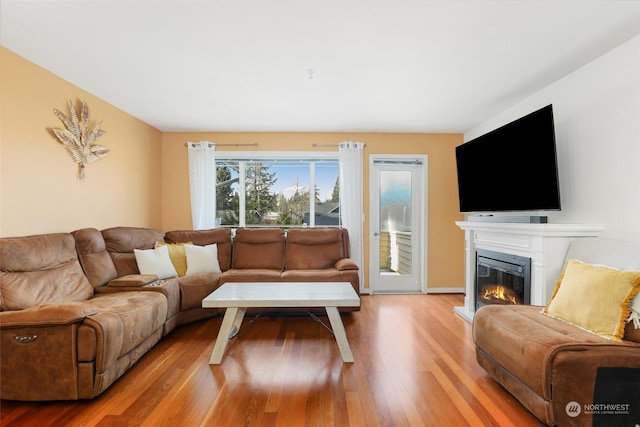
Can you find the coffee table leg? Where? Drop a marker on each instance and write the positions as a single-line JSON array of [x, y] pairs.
[[230, 325], [340, 334]]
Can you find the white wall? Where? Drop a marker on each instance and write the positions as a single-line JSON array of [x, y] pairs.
[[597, 120]]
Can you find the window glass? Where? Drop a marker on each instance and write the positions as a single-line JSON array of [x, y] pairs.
[[228, 192], [327, 200], [292, 192], [271, 192]]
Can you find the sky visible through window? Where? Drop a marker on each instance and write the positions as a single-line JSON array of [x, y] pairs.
[[294, 174]]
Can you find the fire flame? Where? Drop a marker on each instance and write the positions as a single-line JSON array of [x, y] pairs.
[[499, 293]]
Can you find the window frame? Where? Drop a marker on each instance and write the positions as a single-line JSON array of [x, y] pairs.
[[276, 156]]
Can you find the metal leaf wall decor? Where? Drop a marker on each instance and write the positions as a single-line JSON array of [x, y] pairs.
[[79, 137]]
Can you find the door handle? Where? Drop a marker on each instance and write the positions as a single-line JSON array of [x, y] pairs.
[[376, 233]]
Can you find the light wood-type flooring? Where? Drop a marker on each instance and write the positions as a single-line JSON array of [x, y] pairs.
[[414, 366]]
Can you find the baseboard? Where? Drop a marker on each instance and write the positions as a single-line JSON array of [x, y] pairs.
[[367, 291], [445, 290], [464, 313]]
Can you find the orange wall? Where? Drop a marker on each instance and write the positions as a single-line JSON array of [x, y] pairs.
[[446, 241], [39, 190], [143, 181]]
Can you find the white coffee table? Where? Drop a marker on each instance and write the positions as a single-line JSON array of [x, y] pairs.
[[237, 297]]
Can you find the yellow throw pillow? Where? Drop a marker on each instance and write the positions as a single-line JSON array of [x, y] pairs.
[[595, 298], [178, 256]]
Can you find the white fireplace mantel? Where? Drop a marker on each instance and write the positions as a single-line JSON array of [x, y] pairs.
[[545, 244]]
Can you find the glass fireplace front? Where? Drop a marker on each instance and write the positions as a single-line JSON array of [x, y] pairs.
[[502, 278]]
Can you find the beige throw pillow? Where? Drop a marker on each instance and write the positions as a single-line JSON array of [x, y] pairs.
[[202, 259], [155, 261]]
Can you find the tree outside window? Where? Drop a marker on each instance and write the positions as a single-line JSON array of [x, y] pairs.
[[277, 193]]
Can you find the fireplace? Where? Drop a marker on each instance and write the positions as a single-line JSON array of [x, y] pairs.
[[502, 278]]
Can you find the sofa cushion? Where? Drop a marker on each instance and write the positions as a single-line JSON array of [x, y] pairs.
[[313, 248], [259, 248], [94, 258], [219, 236], [250, 275], [126, 319], [121, 241], [324, 275], [40, 269], [595, 297], [194, 288]]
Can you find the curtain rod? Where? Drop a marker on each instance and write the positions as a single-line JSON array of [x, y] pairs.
[[314, 145], [255, 144]]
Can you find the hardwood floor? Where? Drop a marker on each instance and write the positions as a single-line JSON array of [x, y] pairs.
[[415, 366]]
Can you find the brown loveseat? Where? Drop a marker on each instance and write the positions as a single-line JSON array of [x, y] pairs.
[[302, 255], [76, 314], [555, 369]]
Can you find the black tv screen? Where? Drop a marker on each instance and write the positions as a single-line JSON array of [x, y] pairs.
[[512, 168]]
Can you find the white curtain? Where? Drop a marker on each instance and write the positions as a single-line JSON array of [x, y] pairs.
[[351, 197], [202, 184]]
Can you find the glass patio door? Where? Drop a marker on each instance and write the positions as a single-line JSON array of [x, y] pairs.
[[398, 225]]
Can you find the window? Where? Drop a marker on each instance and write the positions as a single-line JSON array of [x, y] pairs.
[[267, 191]]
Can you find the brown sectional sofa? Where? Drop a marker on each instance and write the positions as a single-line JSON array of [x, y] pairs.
[[553, 367], [76, 314]]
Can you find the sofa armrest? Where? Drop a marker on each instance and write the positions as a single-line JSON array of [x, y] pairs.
[[573, 375], [44, 315], [346, 264], [133, 281], [39, 352]]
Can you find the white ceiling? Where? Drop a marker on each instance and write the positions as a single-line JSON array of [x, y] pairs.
[[378, 65]]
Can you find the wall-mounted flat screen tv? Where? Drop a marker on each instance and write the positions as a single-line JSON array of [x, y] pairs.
[[512, 168]]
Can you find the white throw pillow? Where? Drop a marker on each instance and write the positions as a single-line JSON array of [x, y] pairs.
[[155, 261], [202, 259]]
